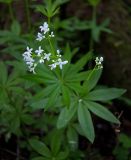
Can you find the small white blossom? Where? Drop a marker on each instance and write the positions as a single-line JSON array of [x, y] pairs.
[[40, 37], [61, 63], [52, 34], [47, 56], [58, 51], [44, 28], [29, 60], [41, 60], [32, 68], [39, 51], [53, 66], [28, 51], [99, 62]]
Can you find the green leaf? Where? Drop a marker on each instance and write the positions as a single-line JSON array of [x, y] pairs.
[[65, 115], [85, 121], [102, 112], [6, 1], [125, 140], [66, 95], [62, 155], [56, 141], [39, 158], [15, 27], [3, 73], [40, 147], [81, 62], [45, 78], [41, 9], [46, 92], [92, 79], [94, 3], [15, 123], [76, 87], [105, 94], [68, 54], [77, 77], [72, 136], [38, 104], [52, 98], [27, 119], [96, 33]]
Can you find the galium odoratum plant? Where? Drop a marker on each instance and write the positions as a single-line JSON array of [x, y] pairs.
[[34, 57], [68, 89]]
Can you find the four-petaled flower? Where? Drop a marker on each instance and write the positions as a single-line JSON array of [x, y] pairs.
[[47, 56], [39, 51], [61, 63], [39, 37], [44, 28], [53, 66]]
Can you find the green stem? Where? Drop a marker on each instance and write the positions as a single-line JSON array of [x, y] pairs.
[[91, 73], [52, 48], [91, 46], [49, 21], [28, 14], [11, 12]]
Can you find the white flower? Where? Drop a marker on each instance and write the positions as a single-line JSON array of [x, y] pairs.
[[44, 28], [61, 63], [39, 37], [58, 51], [39, 51], [27, 55], [41, 60], [28, 59], [47, 56], [53, 66], [32, 68], [99, 62], [28, 51], [52, 34], [101, 59]]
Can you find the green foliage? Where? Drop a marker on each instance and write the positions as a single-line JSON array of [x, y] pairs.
[[13, 40], [85, 121], [51, 8], [6, 1], [45, 152], [74, 89], [94, 2], [48, 110], [96, 29], [121, 151]]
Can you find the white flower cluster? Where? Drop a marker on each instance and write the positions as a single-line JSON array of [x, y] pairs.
[[34, 57], [99, 62], [44, 30]]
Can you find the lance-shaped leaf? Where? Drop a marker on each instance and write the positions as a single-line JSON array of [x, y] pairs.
[[40, 147], [102, 112], [85, 121], [92, 79], [105, 94], [65, 95], [66, 115]]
